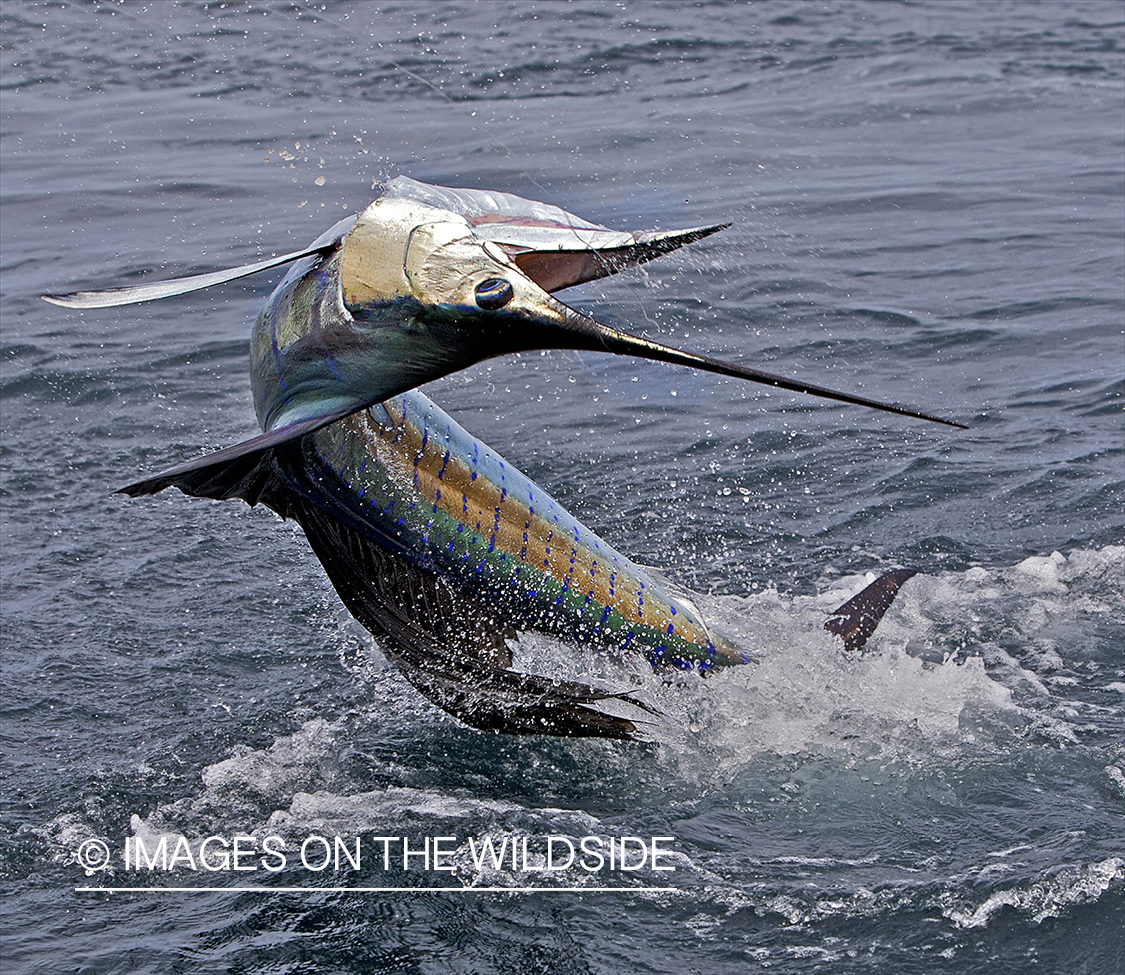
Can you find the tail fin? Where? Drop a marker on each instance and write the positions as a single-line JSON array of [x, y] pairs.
[[447, 642], [856, 620]]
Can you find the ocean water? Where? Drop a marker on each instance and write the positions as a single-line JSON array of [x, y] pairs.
[[927, 207]]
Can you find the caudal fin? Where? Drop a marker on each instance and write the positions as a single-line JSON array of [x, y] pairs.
[[856, 620]]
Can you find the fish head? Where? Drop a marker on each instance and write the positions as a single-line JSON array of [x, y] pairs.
[[416, 290], [429, 280]]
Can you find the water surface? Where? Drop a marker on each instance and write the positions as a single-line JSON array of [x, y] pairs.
[[927, 207]]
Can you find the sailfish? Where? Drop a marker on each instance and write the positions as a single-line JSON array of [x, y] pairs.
[[435, 543]]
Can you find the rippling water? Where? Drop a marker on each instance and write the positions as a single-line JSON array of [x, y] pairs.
[[927, 208]]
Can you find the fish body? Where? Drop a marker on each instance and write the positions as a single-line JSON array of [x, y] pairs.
[[435, 543], [410, 478], [434, 494]]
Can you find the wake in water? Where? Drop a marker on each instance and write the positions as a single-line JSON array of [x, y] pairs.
[[960, 656], [814, 787], [964, 662]]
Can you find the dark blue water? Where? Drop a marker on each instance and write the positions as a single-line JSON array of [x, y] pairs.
[[927, 202]]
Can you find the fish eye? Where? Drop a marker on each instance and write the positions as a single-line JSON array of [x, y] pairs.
[[493, 293]]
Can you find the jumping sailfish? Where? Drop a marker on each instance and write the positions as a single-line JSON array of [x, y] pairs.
[[436, 544]]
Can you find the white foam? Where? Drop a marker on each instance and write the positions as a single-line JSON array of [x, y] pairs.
[[1116, 780], [1044, 898], [1044, 570], [288, 764], [378, 808], [942, 669]]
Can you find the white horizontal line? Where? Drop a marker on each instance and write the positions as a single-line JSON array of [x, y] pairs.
[[374, 890]]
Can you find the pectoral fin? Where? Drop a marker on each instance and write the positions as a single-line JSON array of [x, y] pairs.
[[233, 472], [112, 297]]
